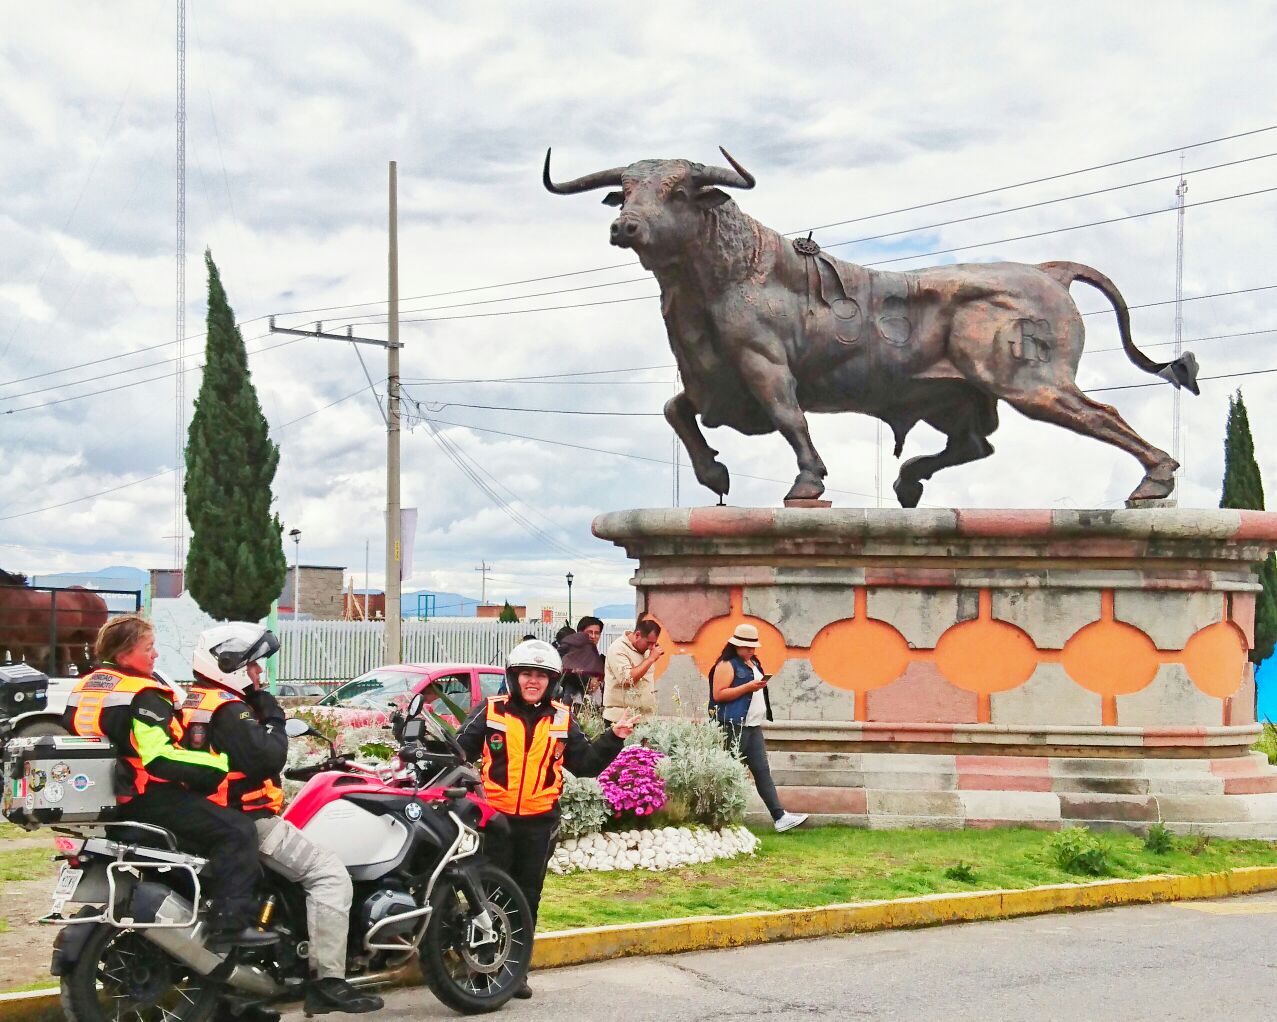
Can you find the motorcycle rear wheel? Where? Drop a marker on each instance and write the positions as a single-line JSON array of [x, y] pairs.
[[477, 980], [120, 975]]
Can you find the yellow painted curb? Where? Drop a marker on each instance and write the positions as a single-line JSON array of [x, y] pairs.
[[702, 933], [699, 933]]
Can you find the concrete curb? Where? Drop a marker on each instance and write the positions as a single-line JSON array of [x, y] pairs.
[[704, 933]]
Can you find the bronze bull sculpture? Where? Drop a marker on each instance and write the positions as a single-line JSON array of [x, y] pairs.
[[766, 329]]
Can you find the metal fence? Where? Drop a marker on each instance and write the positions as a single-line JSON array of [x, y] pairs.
[[331, 651]]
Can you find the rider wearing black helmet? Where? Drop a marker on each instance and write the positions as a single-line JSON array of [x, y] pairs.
[[523, 740]]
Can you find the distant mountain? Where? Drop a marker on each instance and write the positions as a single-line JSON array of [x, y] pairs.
[[445, 604], [117, 576], [615, 612]]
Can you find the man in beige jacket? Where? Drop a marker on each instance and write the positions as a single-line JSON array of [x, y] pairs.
[[628, 682]]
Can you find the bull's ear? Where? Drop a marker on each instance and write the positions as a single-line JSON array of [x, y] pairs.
[[613, 199], [708, 198]]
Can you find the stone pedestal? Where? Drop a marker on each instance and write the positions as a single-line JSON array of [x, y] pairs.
[[977, 668]]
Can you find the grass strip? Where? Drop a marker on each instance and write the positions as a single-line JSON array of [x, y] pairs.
[[831, 865]]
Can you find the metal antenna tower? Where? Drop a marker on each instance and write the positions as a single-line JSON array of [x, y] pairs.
[[1177, 440], [179, 476]]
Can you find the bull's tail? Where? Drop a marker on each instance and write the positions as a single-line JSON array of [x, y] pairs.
[[1182, 372]]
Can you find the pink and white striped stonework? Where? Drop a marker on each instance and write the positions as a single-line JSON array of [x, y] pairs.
[[952, 668]]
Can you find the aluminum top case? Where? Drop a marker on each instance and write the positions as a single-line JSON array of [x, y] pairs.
[[63, 779]]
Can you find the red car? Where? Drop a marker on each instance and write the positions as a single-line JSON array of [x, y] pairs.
[[380, 690]]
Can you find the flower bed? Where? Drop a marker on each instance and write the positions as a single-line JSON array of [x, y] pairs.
[[659, 849]]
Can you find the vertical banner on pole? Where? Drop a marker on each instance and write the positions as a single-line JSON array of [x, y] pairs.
[[407, 533]]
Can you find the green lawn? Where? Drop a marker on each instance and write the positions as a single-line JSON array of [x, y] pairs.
[[828, 865], [26, 864]]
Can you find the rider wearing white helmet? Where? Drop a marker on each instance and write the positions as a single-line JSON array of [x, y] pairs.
[[227, 711], [524, 739]]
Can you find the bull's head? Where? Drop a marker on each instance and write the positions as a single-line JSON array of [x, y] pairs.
[[663, 202]]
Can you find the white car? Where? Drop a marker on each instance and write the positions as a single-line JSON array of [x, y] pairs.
[[37, 723]]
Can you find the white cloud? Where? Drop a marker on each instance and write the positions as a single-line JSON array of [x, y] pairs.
[[294, 110]]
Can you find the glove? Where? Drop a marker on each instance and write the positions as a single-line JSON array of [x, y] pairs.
[[265, 705]]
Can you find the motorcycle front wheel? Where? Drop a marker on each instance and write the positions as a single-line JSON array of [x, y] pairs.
[[469, 977], [121, 975]]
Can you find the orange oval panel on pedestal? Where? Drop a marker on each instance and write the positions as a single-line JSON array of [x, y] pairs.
[[1215, 659], [859, 654], [1110, 658], [985, 656]]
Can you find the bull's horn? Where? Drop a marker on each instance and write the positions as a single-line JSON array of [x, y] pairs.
[[601, 179], [737, 177]]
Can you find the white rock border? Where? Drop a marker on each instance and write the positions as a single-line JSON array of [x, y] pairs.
[[655, 850]]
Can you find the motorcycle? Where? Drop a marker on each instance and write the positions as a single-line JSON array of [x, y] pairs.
[[412, 837]]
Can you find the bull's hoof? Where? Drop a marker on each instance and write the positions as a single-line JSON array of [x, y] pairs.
[[1158, 482], [908, 492], [715, 477], [808, 486]]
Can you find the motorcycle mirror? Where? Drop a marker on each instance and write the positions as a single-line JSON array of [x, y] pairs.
[[415, 705], [295, 727]]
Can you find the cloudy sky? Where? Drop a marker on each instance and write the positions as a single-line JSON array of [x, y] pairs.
[[844, 113]]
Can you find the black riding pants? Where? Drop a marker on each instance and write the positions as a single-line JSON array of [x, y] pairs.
[[225, 837], [525, 852]]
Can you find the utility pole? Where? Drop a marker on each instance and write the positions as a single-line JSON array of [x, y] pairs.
[[484, 568], [1177, 442], [394, 556]]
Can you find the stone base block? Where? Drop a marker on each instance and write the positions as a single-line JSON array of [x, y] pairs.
[[1232, 798]]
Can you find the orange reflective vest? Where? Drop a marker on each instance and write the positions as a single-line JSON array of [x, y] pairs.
[[102, 690], [235, 790], [522, 776]]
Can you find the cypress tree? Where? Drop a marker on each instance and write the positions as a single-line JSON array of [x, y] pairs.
[[1244, 488], [235, 566], [507, 615]]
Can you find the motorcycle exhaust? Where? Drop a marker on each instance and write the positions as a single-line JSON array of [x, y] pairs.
[[155, 903]]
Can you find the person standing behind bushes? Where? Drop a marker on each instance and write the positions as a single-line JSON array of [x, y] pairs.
[[628, 682], [738, 700], [582, 663]]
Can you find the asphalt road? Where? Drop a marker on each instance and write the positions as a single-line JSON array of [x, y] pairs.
[[1188, 960]]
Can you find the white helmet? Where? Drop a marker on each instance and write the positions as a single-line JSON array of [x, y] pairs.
[[536, 654], [223, 653]]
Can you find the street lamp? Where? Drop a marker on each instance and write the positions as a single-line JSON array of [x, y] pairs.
[[569, 597], [296, 536]]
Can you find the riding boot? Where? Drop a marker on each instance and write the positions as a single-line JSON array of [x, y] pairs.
[[333, 994]]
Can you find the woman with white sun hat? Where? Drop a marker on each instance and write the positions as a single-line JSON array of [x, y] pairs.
[[738, 700]]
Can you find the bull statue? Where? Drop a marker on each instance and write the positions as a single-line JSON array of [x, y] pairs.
[[766, 329]]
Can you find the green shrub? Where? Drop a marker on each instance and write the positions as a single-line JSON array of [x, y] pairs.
[[1158, 840], [589, 719], [961, 872], [583, 806], [1077, 850]]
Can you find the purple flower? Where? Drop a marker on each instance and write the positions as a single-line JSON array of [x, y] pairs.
[[631, 783]]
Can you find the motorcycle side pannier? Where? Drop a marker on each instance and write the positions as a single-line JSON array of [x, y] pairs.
[[51, 780]]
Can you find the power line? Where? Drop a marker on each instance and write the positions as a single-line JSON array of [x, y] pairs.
[[1162, 383], [876, 262], [441, 405], [1059, 230], [1191, 298], [134, 383], [542, 376], [126, 354], [838, 223], [157, 475], [855, 241], [615, 454], [1187, 340]]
